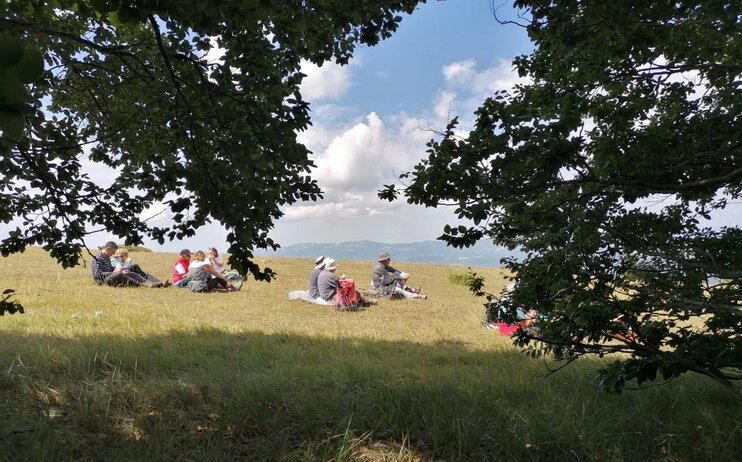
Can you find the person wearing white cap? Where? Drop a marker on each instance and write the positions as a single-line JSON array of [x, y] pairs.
[[390, 282], [319, 265]]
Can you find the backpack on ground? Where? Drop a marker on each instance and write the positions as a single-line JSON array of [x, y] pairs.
[[346, 297]]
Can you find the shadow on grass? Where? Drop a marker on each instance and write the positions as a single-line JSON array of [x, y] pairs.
[[214, 395]]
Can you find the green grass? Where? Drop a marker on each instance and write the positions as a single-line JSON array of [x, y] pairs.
[[97, 373]]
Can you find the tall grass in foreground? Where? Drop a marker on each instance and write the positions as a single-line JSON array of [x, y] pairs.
[[97, 373]]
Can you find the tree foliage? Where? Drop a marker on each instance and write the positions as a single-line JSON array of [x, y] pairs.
[[606, 167], [130, 92], [9, 306]]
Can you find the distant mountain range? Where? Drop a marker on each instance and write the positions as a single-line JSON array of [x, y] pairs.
[[481, 254]]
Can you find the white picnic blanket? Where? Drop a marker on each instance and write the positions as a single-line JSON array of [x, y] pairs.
[[304, 295]]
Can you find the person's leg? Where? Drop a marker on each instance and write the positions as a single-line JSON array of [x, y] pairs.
[[136, 277], [151, 278], [183, 283], [138, 280], [119, 279], [400, 292], [211, 283]]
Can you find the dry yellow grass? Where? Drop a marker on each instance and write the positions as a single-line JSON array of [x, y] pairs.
[[450, 314]]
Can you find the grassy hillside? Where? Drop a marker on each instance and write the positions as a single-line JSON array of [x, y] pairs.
[[97, 373]]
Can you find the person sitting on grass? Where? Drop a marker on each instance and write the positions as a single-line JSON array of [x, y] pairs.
[[319, 265], [526, 318], [121, 262], [104, 273], [203, 278], [402, 283], [388, 282], [217, 262], [180, 269]]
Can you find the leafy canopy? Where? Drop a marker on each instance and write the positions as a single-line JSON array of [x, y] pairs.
[[129, 90], [606, 167]]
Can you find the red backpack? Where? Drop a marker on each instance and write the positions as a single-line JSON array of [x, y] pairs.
[[346, 297]]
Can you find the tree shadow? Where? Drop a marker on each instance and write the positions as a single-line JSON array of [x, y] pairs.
[[210, 394]]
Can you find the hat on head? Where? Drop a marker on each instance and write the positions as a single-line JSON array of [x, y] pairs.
[[185, 252], [330, 264], [384, 256], [319, 262]]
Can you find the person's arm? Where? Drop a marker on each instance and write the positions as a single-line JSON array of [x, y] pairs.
[[391, 276], [181, 269]]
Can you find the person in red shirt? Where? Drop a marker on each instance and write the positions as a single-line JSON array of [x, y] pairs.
[[180, 269]]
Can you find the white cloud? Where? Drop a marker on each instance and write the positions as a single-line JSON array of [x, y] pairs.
[[443, 108], [353, 159], [459, 72], [500, 77], [473, 85], [329, 82], [463, 75]]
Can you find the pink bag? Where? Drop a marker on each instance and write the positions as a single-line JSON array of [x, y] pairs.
[[346, 297]]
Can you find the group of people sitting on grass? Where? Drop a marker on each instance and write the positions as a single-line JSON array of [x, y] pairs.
[[197, 272], [200, 272], [529, 320], [386, 282]]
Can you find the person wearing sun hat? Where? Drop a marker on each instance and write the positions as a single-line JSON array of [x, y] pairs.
[[327, 281], [319, 265], [389, 282]]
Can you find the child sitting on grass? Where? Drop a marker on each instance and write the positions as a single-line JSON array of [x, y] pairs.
[[121, 262]]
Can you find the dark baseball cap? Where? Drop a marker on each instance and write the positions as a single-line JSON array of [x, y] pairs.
[[185, 252]]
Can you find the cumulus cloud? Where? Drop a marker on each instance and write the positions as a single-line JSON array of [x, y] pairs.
[[459, 72], [329, 82], [353, 159], [357, 161]]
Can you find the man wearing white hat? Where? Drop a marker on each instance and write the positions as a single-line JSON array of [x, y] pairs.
[[319, 265]]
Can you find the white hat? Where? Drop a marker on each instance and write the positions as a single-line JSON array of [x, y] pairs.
[[319, 262], [330, 264]]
